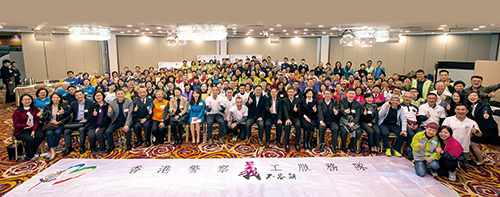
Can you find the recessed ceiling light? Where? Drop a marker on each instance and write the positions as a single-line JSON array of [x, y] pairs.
[[312, 34], [278, 25], [304, 33], [475, 29], [284, 30], [251, 29], [129, 25], [234, 27], [492, 24], [441, 28], [482, 26], [246, 34], [287, 34], [18, 30], [320, 26], [234, 32], [305, 29], [333, 28], [172, 25], [260, 33], [38, 28], [443, 25], [323, 32], [308, 23], [270, 29], [445, 34], [147, 29], [331, 33], [136, 30], [122, 32], [407, 31], [129, 31], [295, 32], [158, 27], [142, 33], [272, 34], [150, 32]]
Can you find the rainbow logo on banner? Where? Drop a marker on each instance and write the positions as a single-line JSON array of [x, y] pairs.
[[65, 175]]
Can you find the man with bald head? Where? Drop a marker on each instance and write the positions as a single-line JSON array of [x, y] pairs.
[[141, 109], [443, 96]]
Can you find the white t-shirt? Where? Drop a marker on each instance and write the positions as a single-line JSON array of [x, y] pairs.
[[436, 113], [215, 104], [228, 104], [239, 114], [461, 130], [244, 96], [439, 97], [410, 112]]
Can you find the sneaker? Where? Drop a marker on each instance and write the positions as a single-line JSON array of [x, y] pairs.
[[452, 176], [397, 154], [388, 152], [434, 172], [235, 138]]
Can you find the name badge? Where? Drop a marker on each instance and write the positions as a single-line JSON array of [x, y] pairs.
[[353, 111], [434, 142], [148, 108], [85, 110], [125, 110], [181, 106], [86, 93], [369, 112], [162, 107], [100, 111], [200, 104]]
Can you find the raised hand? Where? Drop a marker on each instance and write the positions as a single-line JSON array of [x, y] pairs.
[[94, 113], [210, 105], [439, 150], [220, 108], [486, 115], [250, 100], [388, 105], [136, 108], [109, 110], [448, 107], [39, 114], [295, 107], [428, 115], [421, 145], [314, 107], [365, 112], [347, 111], [491, 95], [61, 111]]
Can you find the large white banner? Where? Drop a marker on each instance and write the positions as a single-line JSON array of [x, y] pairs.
[[244, 57], [168, 65], [216, 58], [338, 176]]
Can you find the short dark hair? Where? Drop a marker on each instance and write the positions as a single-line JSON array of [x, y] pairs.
[[432, 94], [459, 82], [5, 61], [79, 91], [368, 61], [42, 89], [368, 95], [446, 71], [420, 71], [379, 61], [71, 87], [70, 72], [351, 89], [290, 88], [477, 77], [119, 89]]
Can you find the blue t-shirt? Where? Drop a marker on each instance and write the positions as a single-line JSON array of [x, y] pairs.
[[89, 91], [62, 92], [41, 104], [73, 82]]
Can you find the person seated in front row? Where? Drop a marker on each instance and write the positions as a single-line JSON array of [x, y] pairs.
[[53, 119], [291, 113], [274, 111], [120, 111], [450, 151], [309, 119], [97, 123], [424, 147], [392, 119], [256, 113], [142, 106], [158, 112], [328, 116], [215, 108], [369, 122], [178, 107], [25, 120], [349, 121], [237, 118], [78, 110]]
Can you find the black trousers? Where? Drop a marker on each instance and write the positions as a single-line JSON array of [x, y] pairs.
[[176, 126], [354, 140], [234, 130], [99, 135], [159, 132], [373, 134], [138, 127], [446, 165], [260, 125], [31, 144], [334, 128], [296, 125], [279, 128]]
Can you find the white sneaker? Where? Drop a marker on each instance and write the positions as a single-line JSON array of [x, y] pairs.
[[452, 176]]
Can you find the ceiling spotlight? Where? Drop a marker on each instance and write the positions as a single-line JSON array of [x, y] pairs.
[[246, 34], [251, 29], [150, 32], [122, 32], [278, 25], [272, 34], [158, 27], [323, 32], [287, 34], [160, 32], [147, 29], [129, 25], [38, 28], [234, 32], [295, 32], [312, 34], [234, 27], [475, 29], [271, 29], [260, 33], [365, 26], [482, 26], [443, 25], [136, 30], [305, 29], [407, 31], [333, 28], [284, 30], [304, 33], [129, 31], [171, 41], [441, 28], [320, 26]]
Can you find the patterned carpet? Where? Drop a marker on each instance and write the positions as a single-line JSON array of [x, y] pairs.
[[477, 182]]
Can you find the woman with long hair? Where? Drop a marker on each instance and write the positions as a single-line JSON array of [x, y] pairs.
[[196, 110], [359, 94], [456, 97], [450, 151], [26, 126], [347, 70], [53, 122], [98, 122]]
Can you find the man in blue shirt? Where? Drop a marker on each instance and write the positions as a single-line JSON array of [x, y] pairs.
[[379, 70], [64, 89], [285, 65], [71, 79]]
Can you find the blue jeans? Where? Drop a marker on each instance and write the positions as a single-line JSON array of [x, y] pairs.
[[409, 137], [53, 137], [421, 169], [210, 121]]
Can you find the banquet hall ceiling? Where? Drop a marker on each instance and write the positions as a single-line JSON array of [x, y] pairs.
[[251, 17]]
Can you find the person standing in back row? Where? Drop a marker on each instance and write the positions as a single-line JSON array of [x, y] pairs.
[[8, 80]]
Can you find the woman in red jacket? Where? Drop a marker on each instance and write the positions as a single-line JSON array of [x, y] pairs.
[[450, 151], [26, 127]]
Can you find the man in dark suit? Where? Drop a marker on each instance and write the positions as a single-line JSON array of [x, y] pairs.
[[120, 111], [274, 110], [291, 113], [328, 112], [349, 122], [8, 80], [256, 113], [141, 111], [79, 110], [16, 72]]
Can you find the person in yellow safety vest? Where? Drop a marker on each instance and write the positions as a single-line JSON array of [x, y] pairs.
[[243, 78], [193, 66], [423, 85], [184, 65], [444, 76], [369, 68]]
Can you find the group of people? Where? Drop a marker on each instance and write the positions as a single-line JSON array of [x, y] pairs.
[[439, 121]]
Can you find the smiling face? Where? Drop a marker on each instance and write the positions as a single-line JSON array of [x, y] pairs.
[[26, 100], [444, 134], [430, 132], [473, 98]]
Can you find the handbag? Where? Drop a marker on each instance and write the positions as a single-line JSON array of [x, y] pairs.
[[50, 126], [11, 151]]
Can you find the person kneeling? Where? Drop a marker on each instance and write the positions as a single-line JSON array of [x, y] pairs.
[[450, 151], [425, 146], [237, 117]]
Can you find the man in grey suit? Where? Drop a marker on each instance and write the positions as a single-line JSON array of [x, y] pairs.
[[120, 112]]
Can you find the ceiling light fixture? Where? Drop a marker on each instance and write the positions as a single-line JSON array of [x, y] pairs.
[[441, 28], [443, 25], [171, 41], [129, 31], [158, 27], [305, 29], [136, 30], [482, 26], [271, 29], [320, 26], [284, 30], [89, 33], [382, 35], [129, 25], [278, 25], [475, 29], [202, 32], [323, 32], [182, 42], [333, 28], [147, 29], [251, 29], [295, 32], [347, 38]]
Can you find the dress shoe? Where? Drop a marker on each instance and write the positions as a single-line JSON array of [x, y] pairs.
[[138, 144], [247, 142], [334, 150], [344, 149], [321, 147], [353, 150], [82, 150], [101, 152], [110, 149], [287, 148], [221, 141], [267, 144], [297, 148], [210, 142], [93, 152], [148, 144], [313, 143], [129, 147], [278, 144], [67, 151], [260, 143]]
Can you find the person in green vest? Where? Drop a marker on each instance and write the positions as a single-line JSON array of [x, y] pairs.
[[184, 65], [423, 85], [444, 76], [486, 93], [369, 68]]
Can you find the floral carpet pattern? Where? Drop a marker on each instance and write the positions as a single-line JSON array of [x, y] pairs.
[[479, 181]]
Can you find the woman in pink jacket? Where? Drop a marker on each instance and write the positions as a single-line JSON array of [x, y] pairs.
[[450, 151]]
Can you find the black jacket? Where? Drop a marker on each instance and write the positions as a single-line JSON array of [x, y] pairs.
[[322, 109], [143, 110], [482, 108], [92, 120], [279, 108], [307, 110], [5, 74], [73, 109], [344, 104], [69, 98], [369, 118], [18, 73], [47, 114], [257, 110], [288, 106]]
